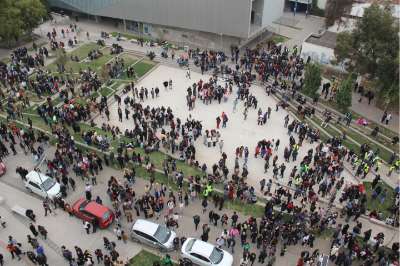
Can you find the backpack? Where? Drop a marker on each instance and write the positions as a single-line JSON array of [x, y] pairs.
[[68, 255], [113, 244]]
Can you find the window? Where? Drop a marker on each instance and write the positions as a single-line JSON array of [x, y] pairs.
[[190, 245], [184, 36], [162, 234], [165, 31], [34, 185], [199, 257]]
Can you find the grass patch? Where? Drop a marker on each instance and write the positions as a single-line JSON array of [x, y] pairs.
[[82, 53], [129, 37], [143, 67], [280, 39], [119, 83], [106, 91], [376, 205], [95, 95], [6, 60], [146, 258], [31, 49]]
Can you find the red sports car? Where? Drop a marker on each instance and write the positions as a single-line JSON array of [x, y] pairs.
[[87, 210], [3, 169]]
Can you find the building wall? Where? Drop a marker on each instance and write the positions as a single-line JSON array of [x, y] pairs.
[[320, 53], [350, 25], [273, 10], [230, 17], [321, 3], [194, 39], [258, 8]]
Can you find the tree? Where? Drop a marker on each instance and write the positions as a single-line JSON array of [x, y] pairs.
[[334, 11], [312, 79], [47, 6], [31, 12], [344, 96], [78, 33], [372, 48], [10, 22], [61, 58]]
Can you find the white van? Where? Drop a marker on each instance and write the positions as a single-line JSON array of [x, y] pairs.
[[39, 183]]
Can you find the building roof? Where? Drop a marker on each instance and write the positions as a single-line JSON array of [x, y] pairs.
[[326, 39]]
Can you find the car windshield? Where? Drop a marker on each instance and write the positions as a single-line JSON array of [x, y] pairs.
[[162, 234], [216, 256], [106, 215], [190, 245], [48, 184], [83, 205]]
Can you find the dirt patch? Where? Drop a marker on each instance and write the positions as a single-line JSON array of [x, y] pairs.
[[24, 39]]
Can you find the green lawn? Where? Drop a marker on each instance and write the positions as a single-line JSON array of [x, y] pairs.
[[143, 67], [6, 60], [376, 205], [130, 37], [82, 53], [30, 49], [105, 91], [145, 258]]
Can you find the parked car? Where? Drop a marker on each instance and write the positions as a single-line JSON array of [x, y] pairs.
[[87, 210], [153, 234], [43, 185], [3, 169], [203, 253]]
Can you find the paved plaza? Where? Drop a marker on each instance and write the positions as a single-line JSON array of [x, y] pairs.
[[238, 132], [67, 231]]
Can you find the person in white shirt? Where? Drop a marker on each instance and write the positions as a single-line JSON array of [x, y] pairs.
[[188, 73]]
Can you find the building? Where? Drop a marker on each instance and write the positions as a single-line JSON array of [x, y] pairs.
[[319, 46], [209, 24]]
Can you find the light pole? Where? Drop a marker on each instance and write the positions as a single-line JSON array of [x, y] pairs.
[[387, 104], [221, 42], [40, 160], [295, 7]]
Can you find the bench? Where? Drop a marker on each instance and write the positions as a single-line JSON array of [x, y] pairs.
[[19, 210], [381, 223], [134, 40], [122, 38]]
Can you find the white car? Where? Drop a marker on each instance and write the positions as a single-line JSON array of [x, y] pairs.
[[42, 185], [203, 253], [153, 234]]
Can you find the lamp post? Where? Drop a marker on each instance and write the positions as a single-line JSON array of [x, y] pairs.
[[41, 159], [295, 7], [387, 104], [221, 42]]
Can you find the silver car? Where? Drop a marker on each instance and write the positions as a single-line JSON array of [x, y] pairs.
[[153, 235]]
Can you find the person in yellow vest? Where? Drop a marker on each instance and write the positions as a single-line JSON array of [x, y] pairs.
[[210, 190], [366, 170], [298, 181], [367, 155], [374, 160], [55, 119], [378, 165], [295, 147], [396, 165], [355, 162], [22, 104], [306, 168], [391, 169]]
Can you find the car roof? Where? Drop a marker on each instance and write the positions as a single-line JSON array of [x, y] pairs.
[[145, 226], [34, 176], [201, 247], [96, 209]]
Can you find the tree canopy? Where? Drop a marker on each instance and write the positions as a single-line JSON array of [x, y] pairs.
[[372, 48], [10, 21], [344, 96], [312, 79], [334, 11], [32, 11]]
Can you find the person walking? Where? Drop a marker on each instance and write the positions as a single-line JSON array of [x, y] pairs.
[[196, 220], [3, 222], [46, 207], [33, 229], [188, 73], [42, 231]]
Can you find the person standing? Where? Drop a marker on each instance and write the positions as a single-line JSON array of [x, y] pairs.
[[23, 146], [86, 225], [188, 73], [221, 145], [388, 118], [196, 220], [95, 223]]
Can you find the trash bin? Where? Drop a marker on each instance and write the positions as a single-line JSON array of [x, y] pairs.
[[186, 48]]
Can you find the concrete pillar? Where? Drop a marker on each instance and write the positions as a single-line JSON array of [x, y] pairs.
[[98, 18]]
